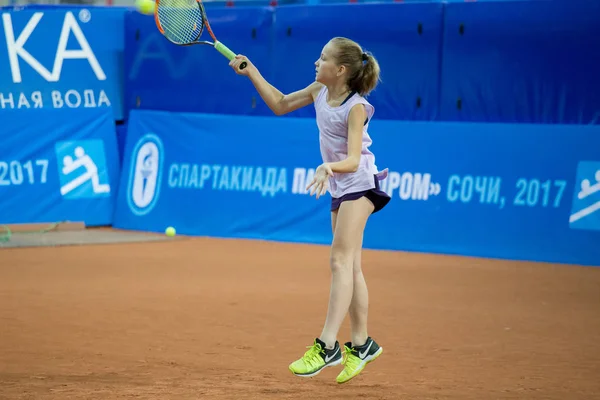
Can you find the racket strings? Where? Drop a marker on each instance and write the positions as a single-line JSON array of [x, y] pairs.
[[181, 20]]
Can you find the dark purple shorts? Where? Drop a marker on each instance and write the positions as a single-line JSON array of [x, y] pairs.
[[378, 197]]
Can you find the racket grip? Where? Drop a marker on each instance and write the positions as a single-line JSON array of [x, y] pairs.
[[228, 53]]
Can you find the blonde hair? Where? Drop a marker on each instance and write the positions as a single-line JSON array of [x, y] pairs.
[[363, 68]]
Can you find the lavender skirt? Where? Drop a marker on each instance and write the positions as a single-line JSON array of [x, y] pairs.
[[378, 197]]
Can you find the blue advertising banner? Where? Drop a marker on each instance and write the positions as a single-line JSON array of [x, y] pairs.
[[58, 165], [495, 190], [217, 176], [61, 58], [527, 192]]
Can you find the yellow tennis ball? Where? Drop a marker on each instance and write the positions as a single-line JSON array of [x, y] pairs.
[[145, 6], [170, 231]]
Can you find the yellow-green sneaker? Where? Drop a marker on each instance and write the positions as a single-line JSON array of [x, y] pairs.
[[356, 358], [315, 359]]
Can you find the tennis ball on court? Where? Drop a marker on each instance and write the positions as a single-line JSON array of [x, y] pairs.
[[170, 231], [145, 6]]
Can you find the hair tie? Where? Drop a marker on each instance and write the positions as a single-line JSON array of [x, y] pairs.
[[364, 56]]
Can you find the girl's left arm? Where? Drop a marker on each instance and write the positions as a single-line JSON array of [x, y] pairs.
[[356, 120]]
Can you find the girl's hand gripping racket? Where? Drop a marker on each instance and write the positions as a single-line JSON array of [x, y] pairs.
[[182, 22]]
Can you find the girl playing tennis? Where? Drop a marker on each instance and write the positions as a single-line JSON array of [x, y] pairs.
[[344, 74]]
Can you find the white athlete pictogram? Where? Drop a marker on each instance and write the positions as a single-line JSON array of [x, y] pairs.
[[587, 189], [91, 172]]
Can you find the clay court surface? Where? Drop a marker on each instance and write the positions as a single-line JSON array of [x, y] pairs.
[[222, 319]]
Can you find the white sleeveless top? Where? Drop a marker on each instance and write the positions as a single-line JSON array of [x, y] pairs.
[[333, 138]]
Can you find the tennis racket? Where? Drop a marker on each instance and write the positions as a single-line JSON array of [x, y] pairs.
[[183, 21]]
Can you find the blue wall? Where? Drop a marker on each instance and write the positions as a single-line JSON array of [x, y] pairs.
[[491, 61], [529, 61], [487, 116], [521, 62]]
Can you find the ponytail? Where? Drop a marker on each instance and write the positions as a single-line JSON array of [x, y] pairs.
[[366, 77]]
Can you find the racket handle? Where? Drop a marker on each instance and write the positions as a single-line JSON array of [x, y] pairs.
[[228, 53]]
